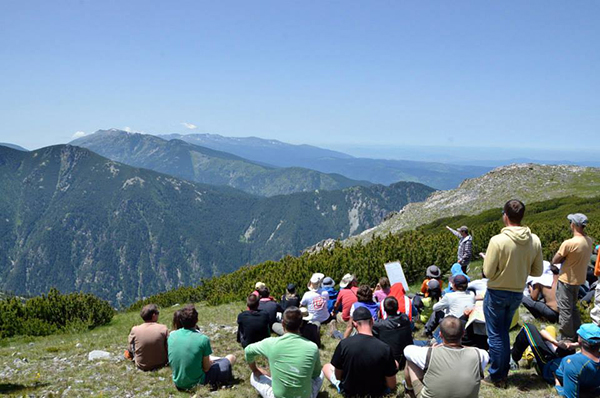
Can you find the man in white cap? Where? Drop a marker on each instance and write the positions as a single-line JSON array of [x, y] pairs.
[[465, 246], [574, 254], [316, 299]]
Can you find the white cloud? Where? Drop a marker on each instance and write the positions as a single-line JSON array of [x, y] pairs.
[[79, 134], [130, 130], [189, 126]]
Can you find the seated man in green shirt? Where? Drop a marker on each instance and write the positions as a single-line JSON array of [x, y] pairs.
[[190, 355], [293, 361]]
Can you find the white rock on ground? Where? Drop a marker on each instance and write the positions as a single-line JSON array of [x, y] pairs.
[[98, 354]]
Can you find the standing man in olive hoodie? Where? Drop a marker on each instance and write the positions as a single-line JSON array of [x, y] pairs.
[[511, 256]]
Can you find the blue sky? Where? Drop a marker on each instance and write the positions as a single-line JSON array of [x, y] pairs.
[[335, 74]]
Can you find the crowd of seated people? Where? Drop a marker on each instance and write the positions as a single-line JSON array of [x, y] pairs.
[[464, 326]]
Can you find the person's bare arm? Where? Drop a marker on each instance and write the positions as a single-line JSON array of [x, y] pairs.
[[257, 371], [535, 291], [557, 259], [391, 382], [206, 363], [348, 330]]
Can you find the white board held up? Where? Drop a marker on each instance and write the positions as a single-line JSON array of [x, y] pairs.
[[395, 274]]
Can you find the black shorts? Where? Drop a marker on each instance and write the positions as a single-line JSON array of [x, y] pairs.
[[219, 372]]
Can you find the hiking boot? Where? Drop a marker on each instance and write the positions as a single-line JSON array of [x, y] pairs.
[[502, 383]]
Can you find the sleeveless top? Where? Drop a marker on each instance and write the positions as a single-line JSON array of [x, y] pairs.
[[452, 373]]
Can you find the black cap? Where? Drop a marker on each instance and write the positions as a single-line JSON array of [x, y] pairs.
[[460, 280], [361, 314], [291, 287]]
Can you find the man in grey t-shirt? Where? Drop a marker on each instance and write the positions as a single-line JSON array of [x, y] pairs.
[[447, 370]]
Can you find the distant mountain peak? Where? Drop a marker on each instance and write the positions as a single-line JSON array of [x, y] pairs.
[[193, 161]]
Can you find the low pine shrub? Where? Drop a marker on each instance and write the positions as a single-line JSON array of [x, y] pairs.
[[52, 313], [416, 250]]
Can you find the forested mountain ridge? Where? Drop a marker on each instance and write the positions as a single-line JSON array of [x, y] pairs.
[[380, 171], [74, 220], [196, 163]]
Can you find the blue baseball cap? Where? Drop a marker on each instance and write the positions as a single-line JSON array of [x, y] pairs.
[[589, 332]]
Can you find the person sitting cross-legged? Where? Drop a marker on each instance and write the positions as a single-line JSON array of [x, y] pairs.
[[148, 341], [447, 370], [295, 367], [253, 324], [362, 365], [454, 303], [190, 355]]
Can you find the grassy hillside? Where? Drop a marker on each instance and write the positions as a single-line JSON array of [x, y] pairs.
[[57, 366], [430, 244], [527, 182]]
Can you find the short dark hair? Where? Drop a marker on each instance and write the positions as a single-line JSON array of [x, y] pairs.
[[514, 210], [364, 293], [188, 316], [252, 302], [390, 305], [435, 293], [452, 329], [148, 312], [384, 283], [292, 319], [177, 320], [588, 346], [264, 292], [460, 287]]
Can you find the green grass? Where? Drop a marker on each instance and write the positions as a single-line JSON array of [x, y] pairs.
[[57, 365]]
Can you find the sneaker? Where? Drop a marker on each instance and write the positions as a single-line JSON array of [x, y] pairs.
[[513, 365], [502, 383]]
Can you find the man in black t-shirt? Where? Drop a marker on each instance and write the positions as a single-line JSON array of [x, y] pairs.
[[395, 330], [271, 307], [253, 325], [362, 365]]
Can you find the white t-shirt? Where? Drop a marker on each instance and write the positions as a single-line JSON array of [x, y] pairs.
[[418, 355], [455, 303], [316, 302]]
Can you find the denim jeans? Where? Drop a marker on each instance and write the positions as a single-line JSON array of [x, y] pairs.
[[499, 307]]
